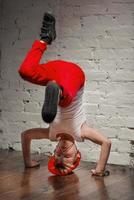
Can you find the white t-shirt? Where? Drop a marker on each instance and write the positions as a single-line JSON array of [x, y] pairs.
[[69, 119]]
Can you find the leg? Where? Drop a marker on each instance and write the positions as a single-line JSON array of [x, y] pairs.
[[26, 137], [31, 69], [98, 138]]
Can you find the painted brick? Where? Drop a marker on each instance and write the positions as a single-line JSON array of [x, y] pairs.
[[120, 76], [118, 158], [126, 134], [98, 35], [111, 110], [120, 146]]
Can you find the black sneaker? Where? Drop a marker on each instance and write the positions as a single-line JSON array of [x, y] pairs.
[[49, 109], [48, 32]]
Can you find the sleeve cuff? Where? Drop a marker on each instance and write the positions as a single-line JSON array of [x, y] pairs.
[[39, 44]]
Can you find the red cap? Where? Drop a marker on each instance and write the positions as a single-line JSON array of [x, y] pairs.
[[57, 171]]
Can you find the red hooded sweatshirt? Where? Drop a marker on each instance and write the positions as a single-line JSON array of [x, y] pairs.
[[67, 75]]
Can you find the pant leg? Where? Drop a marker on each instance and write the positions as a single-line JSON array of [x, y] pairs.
[[31, 70]]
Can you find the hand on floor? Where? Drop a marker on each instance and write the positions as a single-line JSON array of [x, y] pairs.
[[32, 163], [101, 174]]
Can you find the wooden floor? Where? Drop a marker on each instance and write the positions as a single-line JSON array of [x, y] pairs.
[[16, 183]]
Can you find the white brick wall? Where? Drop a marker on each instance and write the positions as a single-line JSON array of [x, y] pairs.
[[99, 36]]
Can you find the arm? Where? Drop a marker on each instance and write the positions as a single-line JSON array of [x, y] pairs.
[[98, 138], [26, 138]]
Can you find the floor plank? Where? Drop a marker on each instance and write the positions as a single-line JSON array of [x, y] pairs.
[[18, 183]]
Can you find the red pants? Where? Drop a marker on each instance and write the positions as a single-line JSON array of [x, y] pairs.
[[67, 75]]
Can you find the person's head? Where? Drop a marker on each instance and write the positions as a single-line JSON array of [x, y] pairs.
[[66, 156], [52, 96]]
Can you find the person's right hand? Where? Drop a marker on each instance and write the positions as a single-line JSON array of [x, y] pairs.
[[94, 172]]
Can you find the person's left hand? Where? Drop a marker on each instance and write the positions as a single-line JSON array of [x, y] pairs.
[[32, 163]]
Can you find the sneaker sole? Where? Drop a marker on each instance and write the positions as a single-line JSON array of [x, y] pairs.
[[49, 109]]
